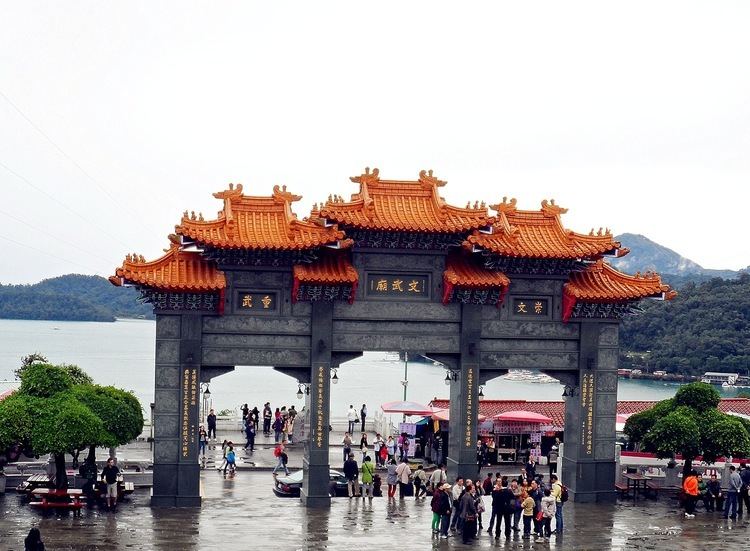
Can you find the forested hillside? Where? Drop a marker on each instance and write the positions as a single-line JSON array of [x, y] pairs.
[[706, 328], [71, 297]]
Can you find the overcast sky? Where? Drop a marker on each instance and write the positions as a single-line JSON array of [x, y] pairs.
[[117, 116]]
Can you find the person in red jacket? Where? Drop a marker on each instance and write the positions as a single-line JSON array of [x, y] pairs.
[[690, 486]]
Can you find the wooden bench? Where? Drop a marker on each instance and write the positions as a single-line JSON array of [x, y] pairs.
[[59, 499], [652, 489], [622, 489]]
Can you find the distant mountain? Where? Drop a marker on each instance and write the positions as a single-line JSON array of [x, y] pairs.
[[676, 269], [71, 297]]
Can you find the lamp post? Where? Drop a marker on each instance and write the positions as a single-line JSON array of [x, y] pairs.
[[206, 398]]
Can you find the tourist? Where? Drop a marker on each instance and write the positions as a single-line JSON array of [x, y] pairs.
[[479, 502], [33, 541], [690, 487], [527, 504], [503, 505], [211, 421], [557, 493], [351, 472], [250, 435], [202, 439], [390, 445], [278, 426], [404, 473], [290, 428], [351, 416], [280, 454], [230, 461], [404, 446], [292, 412], [734, 485], [715, 496], [552, 460], [516, 490], [456, 493], [377, 445], [435, 505], [487, 485], [445, 509], [530, 469], [469, 514], [392, 477], [367, 477], [537, 494], [744, 495], [267, 416], [363, 445], [549, 508], [420, 483], [347, 442], [224, 446], [254, 416], [110, 473], [245, 412], [438, 477], [703, 491], [89, 472], [362, 415]]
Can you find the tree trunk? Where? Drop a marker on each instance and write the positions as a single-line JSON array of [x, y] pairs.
[[687, 467], [92, 454], [61, 476]]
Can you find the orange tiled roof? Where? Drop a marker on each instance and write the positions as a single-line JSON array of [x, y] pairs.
[[248, 222], [600, 282], [461, 272], [540, 234], [400, 205], [328, 269], [556, 409], [175, 271]]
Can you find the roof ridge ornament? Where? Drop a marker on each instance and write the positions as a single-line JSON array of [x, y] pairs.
[[367, 177], [551, 209], [426, 178], [282, 194], [505, 206]]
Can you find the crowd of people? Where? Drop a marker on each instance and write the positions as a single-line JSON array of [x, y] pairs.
[[729, 501]]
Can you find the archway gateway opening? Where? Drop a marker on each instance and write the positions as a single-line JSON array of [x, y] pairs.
[[393, 268]]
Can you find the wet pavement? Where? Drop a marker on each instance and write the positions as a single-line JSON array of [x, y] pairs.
[[242, 512]]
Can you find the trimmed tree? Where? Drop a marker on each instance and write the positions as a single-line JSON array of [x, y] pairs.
[[691, 425], [58, 411]]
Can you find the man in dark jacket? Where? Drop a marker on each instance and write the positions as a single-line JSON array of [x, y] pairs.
[[211, 420], [502, 506], [351, 472], [714, 497], [744, 497]]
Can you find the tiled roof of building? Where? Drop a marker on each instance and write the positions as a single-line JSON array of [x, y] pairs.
[[329, 269], [600, 282], [175, 271], [556, 409], [400, 205], [462, 272], [248, 222], [540, 234]]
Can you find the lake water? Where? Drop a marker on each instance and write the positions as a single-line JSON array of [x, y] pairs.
[[122, 354]]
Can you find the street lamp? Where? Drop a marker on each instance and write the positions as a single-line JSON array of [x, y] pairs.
[[299, 392], [206, 398], [335, 378], [481, 392]]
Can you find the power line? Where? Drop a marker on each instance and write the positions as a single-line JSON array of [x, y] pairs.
[[54, 237], [60, 150], [88, 269], [56, 200]]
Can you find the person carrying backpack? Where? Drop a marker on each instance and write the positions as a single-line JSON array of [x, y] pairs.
[[279, 454], [560, 493], [231, 458]]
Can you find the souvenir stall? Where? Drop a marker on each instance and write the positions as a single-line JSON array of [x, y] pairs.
[[515, 432]]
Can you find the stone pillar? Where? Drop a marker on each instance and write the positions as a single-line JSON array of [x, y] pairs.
[[315, 484], [588, 464], [176, 410], [464, 399]]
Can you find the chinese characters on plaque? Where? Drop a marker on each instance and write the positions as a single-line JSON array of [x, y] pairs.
[[531, 307], [189, 410], [469, 403], [320, 387], [256, 301], [587, 411], [401, 285]]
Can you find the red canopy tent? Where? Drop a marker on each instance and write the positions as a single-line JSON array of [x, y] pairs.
[[407, 408], [523, 417]]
